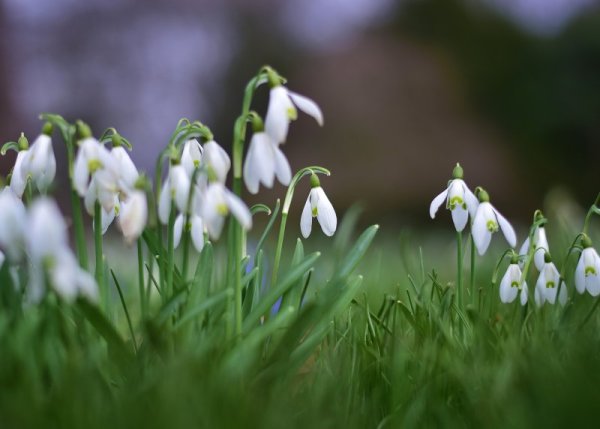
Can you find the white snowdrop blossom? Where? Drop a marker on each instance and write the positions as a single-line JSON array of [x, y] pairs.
[[216, 203], [127, 171], [217, 159], [191, 157], [510, 285], [540, 243], [486, 222], [195, 226], [92, 158], [49, 252], [548, 285], [264, 162], [39, 163], [282, 110], [587, 273], [176, 187], [459, 200], [18, 181], [12, 224], [318, 205], [133, 215]]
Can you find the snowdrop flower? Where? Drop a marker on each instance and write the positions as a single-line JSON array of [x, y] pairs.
[[196, 227], [39, 162], [17, 180], [91, 158], [318, 205], [133, 215], [459, 200], [486, 222], [510, 285], [12, 224], [587, 273], [191, 157], [68, 279], [216, 203], [175, 188], [282, 110], [217, 159], [127, 172], [264, 162], [540, 243], [549, 283]]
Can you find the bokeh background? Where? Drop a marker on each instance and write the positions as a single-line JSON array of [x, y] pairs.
[[510, 88]]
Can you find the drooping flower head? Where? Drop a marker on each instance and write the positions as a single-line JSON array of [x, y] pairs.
[[540, 242], [550, 284], [587, 273], [39, 163], [217, 159], [12, 224], [487, 221], [459, 200], [318, 205], [512, 284], [176, 187], [282, 110], [216, 203], [191, 156], [133, 215]]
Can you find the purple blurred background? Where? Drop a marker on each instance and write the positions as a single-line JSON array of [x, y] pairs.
[[511, 89]]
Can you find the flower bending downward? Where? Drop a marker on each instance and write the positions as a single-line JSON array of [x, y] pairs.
[[550, 284], [264, 162], [510, 285], [587, 273], [540, 243], [318, 205], [487, 221]]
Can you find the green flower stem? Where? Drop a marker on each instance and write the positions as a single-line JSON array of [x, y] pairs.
[[593, 209], [459, 266], [98, 250], [170, 253], [286, 209], [140, 256], [80, 242], [472, 274]]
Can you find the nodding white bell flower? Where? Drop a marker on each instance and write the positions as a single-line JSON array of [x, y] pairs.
[[68, 279], [510, 285], [217, 159], [195, 226], [127, 171], [133, 215], [459, 200], [46, 229], [13, 224], [318, 205], [587, 273], [216, 203], [486, 222], [18, 180], [191, 157], [548, 284], [39, 163], [92, 158], [175, 188], [282, 110], [264, 162], [540, 243]]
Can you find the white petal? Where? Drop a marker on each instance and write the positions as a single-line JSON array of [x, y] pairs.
[[164, 203], [80, 173], [306, 219], [86, 285], [471, 201], [191, 156], [197, 232], [177, 230], [128, 173], [580, 275], [107, 219], [133, 216], [18, 180], [307, 105], [524, 293], [277, 119], [47, 231], [481, 235], [540, 289], [437, 202], [507, 229], [216, 157], [260, 163], [239, 210], [508, 293], [325, 213], [460, 217], [282, 167], [541, 247], [562, 293], [180, 186]]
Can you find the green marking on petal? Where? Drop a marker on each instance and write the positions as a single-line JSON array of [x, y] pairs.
[[491, 226], [550, 285], [456, 201], [515, 284], [196, 163], [222, 209], [93, 165], [315, 212], [292, 113], [590, 271]]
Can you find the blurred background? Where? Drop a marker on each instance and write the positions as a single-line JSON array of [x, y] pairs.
[[509, 88]]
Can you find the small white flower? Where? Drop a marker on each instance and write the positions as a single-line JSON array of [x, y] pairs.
[[587, 273], [39, 163], [459, 200], [191, 157], [196, 228], [282, 110], [215, 205], [133, 215], [68, 279], [175, 188], [486, 222], [510, 285], [548, 285], [264, 162], [217, 159], [541, 247], [12, 224], [318, 205], [18, 180], [128, 173], [46, 229], [91, 158]]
